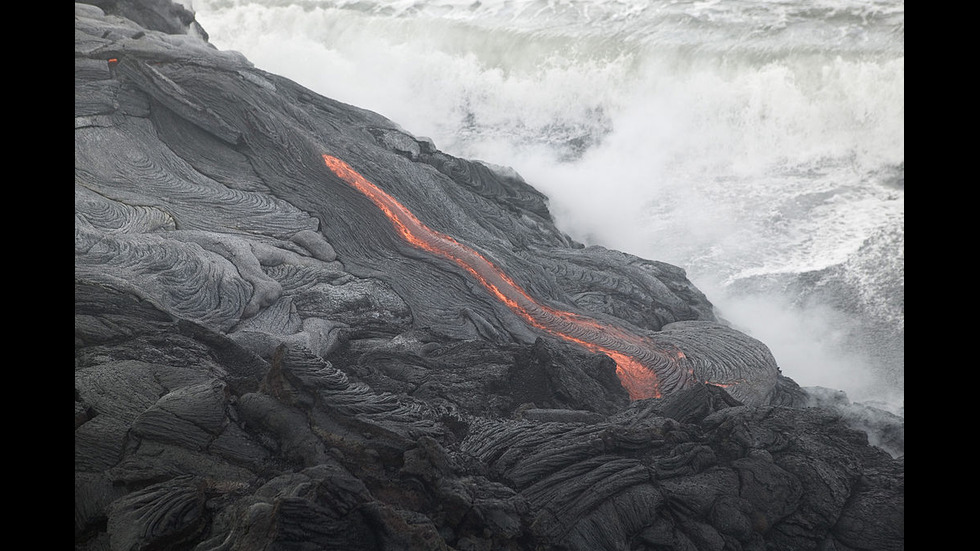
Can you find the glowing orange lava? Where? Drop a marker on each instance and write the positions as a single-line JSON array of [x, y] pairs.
[[639, 380]]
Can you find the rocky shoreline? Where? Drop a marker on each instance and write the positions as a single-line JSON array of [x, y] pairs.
[[262, 362]]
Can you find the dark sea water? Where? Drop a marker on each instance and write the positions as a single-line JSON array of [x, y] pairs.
[[760, 145]]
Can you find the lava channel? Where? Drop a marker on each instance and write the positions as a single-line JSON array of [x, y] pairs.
[[638, 364]]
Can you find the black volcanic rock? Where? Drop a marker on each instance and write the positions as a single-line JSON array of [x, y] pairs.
[[262, 362]]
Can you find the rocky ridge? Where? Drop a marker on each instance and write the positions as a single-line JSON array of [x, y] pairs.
[[261, 362]]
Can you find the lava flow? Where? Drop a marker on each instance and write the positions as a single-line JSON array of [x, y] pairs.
[[637, 375]]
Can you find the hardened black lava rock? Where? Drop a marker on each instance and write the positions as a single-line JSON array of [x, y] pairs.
[[263, 362]]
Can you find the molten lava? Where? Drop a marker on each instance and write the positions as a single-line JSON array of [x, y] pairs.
[[635, 356]]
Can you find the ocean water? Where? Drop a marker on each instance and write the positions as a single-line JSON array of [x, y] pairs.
[[758, 144]]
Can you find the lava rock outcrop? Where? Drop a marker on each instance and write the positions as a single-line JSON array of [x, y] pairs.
[[262, 362]]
